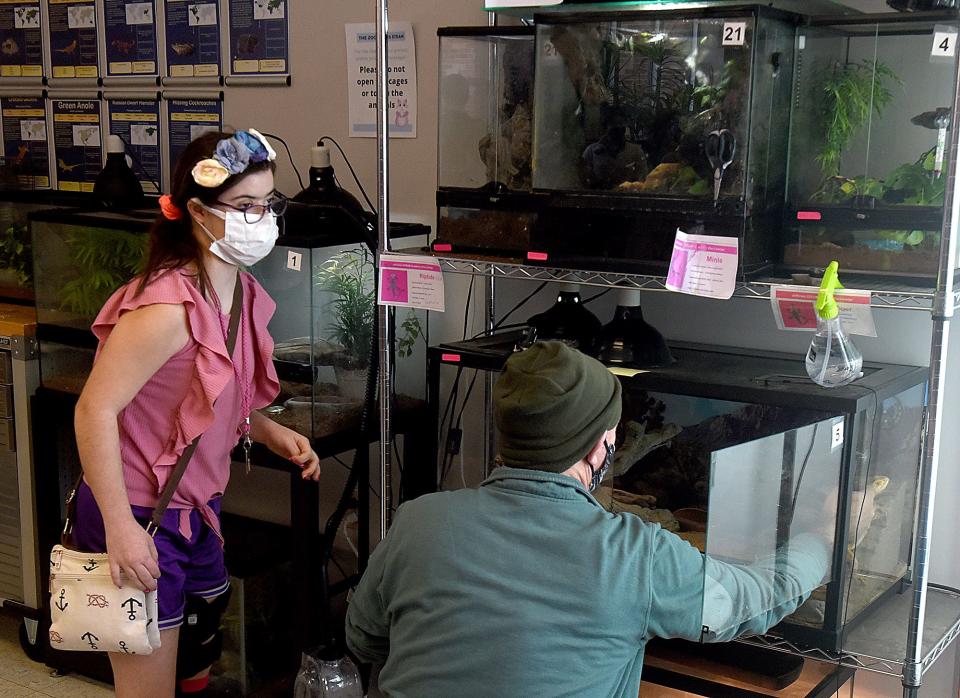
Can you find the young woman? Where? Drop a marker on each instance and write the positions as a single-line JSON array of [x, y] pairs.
[[162, 377]]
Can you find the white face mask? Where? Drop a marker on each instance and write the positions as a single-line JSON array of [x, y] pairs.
[[243, 244]]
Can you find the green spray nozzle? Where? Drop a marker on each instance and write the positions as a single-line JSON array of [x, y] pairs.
[[826, 304]]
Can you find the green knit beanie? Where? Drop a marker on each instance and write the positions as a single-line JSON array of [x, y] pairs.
[[551, 406]]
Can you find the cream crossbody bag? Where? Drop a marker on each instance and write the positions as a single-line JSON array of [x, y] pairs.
[[88, 612]]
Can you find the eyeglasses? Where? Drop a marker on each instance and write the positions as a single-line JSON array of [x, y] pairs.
[[254, 213]]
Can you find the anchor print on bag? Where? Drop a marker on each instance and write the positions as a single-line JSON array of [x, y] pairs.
[[61, 604], [91, 640], [91, 565], [133, 605]]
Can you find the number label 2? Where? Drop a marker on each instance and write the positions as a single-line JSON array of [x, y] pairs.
[[734, 33], [944, 44]]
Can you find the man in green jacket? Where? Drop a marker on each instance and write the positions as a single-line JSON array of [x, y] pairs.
[[526, 586]]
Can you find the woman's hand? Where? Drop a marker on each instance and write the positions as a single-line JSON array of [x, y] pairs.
[[131, 551], [288, 444]]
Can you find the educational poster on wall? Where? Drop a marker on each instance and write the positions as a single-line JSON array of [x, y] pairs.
[[193, 39], [130, 27], [76, 143], [259, 37], [21, 40], [189, 119], [73, 39], [362, 80], [25, 140], [137, 122]]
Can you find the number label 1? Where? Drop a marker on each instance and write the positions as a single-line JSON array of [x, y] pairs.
[[294, 260], [734, 33], [944, 44]]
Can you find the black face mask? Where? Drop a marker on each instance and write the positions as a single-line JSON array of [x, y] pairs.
[[601, 472]]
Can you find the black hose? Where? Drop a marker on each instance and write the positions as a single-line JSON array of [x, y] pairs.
[[361, 463]]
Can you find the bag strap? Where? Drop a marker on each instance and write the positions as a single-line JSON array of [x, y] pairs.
[[171, 487], [181, 467]]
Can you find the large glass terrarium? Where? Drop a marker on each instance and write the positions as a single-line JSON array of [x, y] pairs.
[[739, 455], [749, 461], [649, 121], [79, 259], [16, 266], [322, 279], [871, 123], [485, 139]]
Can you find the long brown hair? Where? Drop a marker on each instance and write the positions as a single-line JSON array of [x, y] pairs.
[[172, 243]]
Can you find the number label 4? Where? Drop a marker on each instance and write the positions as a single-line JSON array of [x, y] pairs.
[[944, 44], [734, 33]]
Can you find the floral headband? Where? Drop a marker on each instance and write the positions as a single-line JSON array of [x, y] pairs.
[[232, 157]]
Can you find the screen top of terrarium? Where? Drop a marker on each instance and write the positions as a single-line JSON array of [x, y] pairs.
[[806, 7]]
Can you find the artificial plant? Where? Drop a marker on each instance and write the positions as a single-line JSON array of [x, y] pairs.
[[104, 260], [348, 276], [846, 95], [15, 252]]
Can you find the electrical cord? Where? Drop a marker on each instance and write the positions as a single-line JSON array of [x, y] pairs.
[[803, 469], [591, 299], [289, 155], [128, 149], [350, 167], [877, 416]]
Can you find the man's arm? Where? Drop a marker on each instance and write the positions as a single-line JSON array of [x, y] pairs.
[[367, 625], [691, 592]]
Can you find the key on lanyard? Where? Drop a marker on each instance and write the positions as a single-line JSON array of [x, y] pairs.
[[247, 444]]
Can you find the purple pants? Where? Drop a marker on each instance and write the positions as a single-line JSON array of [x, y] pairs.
[[192, 567]]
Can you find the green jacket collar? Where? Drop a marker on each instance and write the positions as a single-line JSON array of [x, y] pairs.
[[539, 483]]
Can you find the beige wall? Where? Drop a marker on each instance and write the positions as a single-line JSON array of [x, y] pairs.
[[315, 104]]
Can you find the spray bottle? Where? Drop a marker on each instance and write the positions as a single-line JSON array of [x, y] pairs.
[[833, 360]]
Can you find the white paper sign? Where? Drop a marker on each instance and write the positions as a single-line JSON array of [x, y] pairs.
[[408, 281], [704, 265], [362, 80], [794, 310]]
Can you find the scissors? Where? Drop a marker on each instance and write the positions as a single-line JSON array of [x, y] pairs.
[[721, 146]]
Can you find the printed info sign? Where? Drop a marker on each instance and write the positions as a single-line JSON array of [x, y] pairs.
[[21, 41], [409, 281], [362, 80]]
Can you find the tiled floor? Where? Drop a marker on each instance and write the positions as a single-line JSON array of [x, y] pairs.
[[20, 677]]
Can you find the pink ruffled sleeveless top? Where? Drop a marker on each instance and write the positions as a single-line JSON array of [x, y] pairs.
[[195, 392]]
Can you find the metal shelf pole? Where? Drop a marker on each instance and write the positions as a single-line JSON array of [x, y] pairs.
[[943, 309], [383, 225]]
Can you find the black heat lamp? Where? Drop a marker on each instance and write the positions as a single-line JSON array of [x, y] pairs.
[[324, 208], [629, 340], [569, 322], [117, 187]]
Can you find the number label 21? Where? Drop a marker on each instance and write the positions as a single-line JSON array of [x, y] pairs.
[[734, 33]]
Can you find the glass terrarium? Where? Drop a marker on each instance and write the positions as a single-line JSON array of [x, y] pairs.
[[869, 144], [323, 284], [16, 265], [79, 259], [486, 134], [744, 457], [740, 454], [649, 121]]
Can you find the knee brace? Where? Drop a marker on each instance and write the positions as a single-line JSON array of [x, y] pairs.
[[201, 639]]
